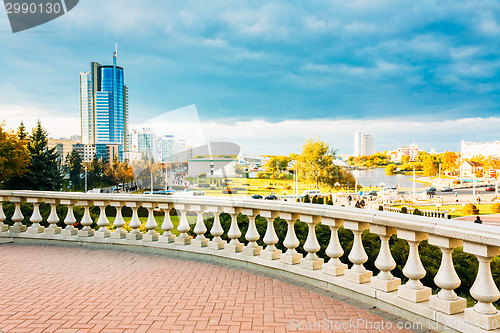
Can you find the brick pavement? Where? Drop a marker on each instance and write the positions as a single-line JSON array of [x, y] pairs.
[[59, 289]]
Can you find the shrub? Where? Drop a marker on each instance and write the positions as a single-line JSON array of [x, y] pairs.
[[417, 212], [329, 202], [282, 176], [404, 210], [470, 209], [229, 191], [297, 200], [306, 198], [314, 200], [380, 207], [320, 200], [288, 187], [495, 207], [262, 176], [274, 177]]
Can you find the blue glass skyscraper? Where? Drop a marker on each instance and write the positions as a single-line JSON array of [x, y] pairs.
[[104, 105]]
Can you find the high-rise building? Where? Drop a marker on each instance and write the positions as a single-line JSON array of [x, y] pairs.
[[364, 144], [144, 141], [104, 105]]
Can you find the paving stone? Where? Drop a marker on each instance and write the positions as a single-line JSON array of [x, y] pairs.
[[76, 289]]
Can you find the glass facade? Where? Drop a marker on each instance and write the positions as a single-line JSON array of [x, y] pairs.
[[104, 105]]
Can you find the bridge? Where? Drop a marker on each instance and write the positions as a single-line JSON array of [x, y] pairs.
[[441, 310]]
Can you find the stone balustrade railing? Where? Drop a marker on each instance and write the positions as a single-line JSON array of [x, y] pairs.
[[429, 213], [412, 299]]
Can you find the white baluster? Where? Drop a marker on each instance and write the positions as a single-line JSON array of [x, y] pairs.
[[70, 219], [102, 221], [35, 218], [384, 281], [252, 235], [270, 237], [334, 250], [311, 246], [134, 223], [234, 232], [167, 225], [413, 290], [86, 221], [119, 222], [484, 290], [3, 226], [151, 235], [183, 227], [200, 228], [217, 243], [447, 278], [53, 219], [357, 273], [291, 256], [18, 217]]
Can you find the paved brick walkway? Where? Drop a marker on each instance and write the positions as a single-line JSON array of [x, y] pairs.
[[58, 289]]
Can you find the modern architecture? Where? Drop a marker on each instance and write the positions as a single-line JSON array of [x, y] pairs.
[[364, 144], [104, 105]]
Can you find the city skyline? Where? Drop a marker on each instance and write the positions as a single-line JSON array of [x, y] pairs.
[[269, 75]]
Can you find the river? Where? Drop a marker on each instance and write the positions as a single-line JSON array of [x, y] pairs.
[[376, 176]]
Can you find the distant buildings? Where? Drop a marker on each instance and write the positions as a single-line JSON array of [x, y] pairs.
[[410, 151], [471, 168], [104, 106], [164, 148], [364, 144], [475, 149], [212, 166]]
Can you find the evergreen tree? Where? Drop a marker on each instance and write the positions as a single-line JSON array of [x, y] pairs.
[[43, 173], [22, 134], [74, 164]]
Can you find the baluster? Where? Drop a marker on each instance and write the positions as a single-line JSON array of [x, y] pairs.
[[384, 281], [167, 225], [119, 222], [151, 235], [53, 229], [357, 273], [234, 231], [183, 227], [86, 221], [291, 256], [18, 217], [484, 290], [311, 261], [270, 238], [413, 290], [252, 235], [334, 250], [35, 218], [200, 228], [217, 243], [3, 227], [102, 221], [134, 223], [447, 278], [70, 219]]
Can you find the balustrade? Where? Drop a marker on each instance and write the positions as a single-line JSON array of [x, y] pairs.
[[445, 305]]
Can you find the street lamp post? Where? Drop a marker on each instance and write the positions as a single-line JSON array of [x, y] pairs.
[[414, 197], [85, 179]]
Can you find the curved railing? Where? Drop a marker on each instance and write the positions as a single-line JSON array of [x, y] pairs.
[[385, 290]]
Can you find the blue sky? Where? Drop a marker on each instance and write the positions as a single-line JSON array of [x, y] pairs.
[[268, 74]]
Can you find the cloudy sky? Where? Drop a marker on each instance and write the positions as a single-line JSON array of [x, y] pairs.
[[269, 74]]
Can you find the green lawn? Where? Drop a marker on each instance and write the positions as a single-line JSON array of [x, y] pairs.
[[159, 220]]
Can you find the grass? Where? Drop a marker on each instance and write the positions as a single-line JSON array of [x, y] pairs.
[[159, 221], [484, 209]]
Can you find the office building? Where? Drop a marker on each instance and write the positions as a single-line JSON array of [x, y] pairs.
[[364, 144], [476, 149], [104, 105], [144, 141]]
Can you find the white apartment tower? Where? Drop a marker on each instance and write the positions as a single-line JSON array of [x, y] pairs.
[[364, 143]]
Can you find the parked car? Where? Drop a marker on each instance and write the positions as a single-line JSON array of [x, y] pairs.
[[373, 193], [271, 197], [446, 189], [431, 190], [490, 188], [256, 196]]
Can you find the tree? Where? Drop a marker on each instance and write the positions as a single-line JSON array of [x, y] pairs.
[[431, 165], [43, 172], [14, 158], [22, 134], [74, 164], [390, 169], [239, 169]]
